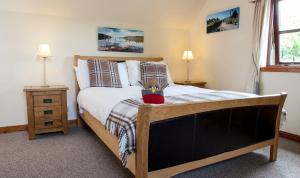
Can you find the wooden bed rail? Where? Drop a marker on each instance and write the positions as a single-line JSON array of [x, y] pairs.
[[148, 114], [158, 113]]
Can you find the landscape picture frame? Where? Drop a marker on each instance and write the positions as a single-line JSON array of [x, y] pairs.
[[120, 40], [228, 19]]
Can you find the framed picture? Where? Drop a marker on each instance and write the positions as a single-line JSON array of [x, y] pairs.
[[223, 21], [120, 40]]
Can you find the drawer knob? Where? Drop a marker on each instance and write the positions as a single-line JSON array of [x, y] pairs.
[[48, 123], [48, 112], [47, 100]]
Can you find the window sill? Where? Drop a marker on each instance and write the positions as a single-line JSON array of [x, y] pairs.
[[279, 68]]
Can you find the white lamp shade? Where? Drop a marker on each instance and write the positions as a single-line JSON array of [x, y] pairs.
[[188, 55], [44, 50]]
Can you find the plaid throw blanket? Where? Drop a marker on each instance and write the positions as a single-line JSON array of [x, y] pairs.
[[122, 119]]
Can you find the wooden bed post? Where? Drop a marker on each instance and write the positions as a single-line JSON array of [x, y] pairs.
[[142, 141], [274, 146]]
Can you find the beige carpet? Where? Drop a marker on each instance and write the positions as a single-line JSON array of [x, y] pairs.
[[82, 154]]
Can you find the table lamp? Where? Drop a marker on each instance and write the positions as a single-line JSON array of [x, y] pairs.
[[187, 56], [44, 53]]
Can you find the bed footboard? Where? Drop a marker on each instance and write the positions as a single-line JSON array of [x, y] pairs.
[[172, 139]]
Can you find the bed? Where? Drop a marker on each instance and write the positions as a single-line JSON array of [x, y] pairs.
[[174, 138]]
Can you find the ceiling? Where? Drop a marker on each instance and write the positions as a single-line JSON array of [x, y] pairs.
[[167, 13]]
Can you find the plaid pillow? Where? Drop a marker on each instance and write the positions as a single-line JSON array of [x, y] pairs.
[[151, 71], [104, 74]]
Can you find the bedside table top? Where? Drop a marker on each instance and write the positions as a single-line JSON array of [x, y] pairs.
[[41, 88], [190, 83]]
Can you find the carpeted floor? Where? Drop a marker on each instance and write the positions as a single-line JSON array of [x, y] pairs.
[[82, 154]]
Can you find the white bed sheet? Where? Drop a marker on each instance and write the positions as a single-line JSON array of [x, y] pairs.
[[99, 101]]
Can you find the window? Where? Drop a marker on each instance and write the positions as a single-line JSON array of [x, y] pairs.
[[287, 32], [286, 23]]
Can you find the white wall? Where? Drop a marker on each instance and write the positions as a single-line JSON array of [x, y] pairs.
[[223, 59], [21, 34], [285, 82]]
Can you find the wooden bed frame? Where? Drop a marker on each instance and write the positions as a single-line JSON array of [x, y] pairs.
[[138, 162]]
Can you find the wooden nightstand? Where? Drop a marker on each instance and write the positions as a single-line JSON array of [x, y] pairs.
[[192, 83], [46, 109]]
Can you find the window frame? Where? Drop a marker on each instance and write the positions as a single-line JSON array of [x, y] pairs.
[[278, 66], [277, 34]]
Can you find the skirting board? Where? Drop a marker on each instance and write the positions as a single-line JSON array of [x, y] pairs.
[[289, 136], [9, 129]]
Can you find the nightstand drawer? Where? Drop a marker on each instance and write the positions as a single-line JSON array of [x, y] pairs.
[[47, 124], [41, 119], [47, 112], [47, 100]]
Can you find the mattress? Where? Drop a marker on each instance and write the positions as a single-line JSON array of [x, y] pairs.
[[99, 101]]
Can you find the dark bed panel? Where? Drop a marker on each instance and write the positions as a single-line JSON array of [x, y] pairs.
[[211, 133], [165, 137], [189, 138], [242, 127], [266, 124]]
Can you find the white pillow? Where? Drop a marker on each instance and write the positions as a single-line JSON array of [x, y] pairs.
[[83, 78], [123, 73], [82, 74], [134, 72]]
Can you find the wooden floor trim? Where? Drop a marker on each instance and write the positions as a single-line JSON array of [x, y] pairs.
[[289, 136], [72, 123], [10, 129], [18, 128]]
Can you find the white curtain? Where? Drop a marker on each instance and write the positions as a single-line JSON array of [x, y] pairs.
[[261, 37]]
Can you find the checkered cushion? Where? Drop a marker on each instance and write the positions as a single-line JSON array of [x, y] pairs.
[[104, 74], [152, 71]]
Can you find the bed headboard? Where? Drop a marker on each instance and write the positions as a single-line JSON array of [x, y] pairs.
[[106, 58]]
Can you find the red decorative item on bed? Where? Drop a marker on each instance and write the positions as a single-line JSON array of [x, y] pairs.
[[153, 92]]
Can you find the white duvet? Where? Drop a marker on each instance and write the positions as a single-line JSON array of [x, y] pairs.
[[99, 101]]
